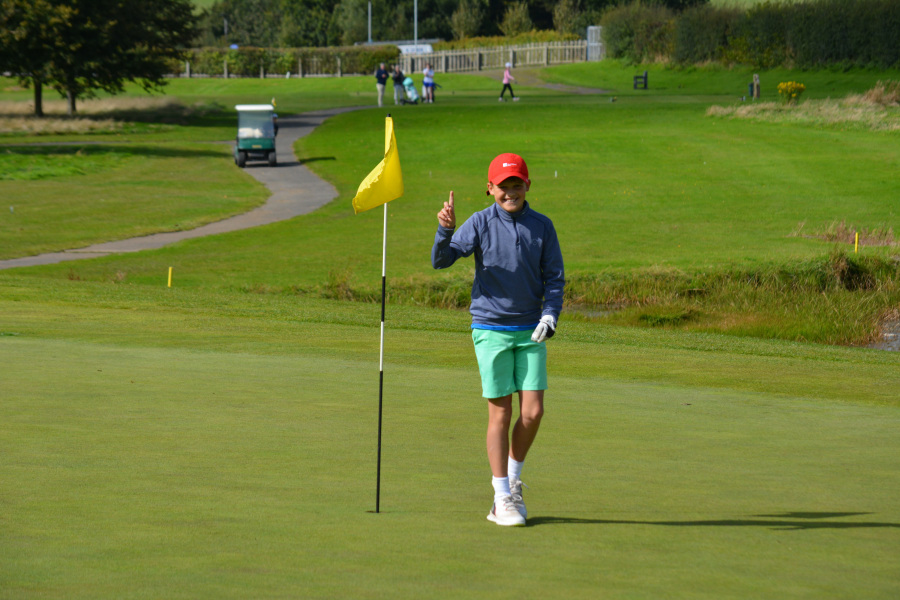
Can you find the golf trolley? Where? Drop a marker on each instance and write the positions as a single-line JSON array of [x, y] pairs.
[[257, 127]]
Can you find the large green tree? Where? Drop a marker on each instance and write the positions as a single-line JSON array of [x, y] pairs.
[[30, 37], [81, 46], [242, 22], [308, 23]]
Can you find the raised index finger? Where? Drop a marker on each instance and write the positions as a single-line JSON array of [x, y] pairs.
[[451, 200]]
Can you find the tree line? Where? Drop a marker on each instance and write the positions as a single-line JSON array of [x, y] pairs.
[[316, 23]]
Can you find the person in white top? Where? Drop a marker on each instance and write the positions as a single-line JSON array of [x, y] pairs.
[[428, 83]]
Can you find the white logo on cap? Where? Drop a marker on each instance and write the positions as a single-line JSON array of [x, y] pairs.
[[510, 164]]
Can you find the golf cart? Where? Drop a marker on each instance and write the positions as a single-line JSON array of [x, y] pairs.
[[256, 134]]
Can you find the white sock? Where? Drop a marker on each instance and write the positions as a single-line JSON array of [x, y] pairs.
[[514, 468], [501, 487]]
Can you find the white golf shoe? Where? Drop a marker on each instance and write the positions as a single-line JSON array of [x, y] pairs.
[[504, 512], [515, 489]]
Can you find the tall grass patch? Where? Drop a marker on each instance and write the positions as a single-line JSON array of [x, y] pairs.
[[124, 115], [876, 109], [836, 299]]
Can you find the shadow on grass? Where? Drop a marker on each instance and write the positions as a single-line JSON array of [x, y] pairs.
[[303, 161], [87, 148], [791, 521], [291, 162]]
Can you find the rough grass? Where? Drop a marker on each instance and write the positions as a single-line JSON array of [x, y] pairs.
[[797, 301], [874, 110], [846, 233], [883, 94]]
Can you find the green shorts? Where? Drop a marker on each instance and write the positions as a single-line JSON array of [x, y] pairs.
[[509, 362]]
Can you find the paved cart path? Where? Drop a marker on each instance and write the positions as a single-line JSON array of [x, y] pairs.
[[295, 191]]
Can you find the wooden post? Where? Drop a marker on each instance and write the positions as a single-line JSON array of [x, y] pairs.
[[262, 72], [187, 69], [226, 68], [546, 55], [339, 72], [756, 86], [300, 67]]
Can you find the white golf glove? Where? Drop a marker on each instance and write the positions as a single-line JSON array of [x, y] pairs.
[[545, 329]]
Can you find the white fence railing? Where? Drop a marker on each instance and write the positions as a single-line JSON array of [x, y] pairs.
[[542, 54], [478, 59]]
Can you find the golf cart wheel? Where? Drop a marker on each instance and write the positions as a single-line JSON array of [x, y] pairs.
[[241, 159], [272, 160]]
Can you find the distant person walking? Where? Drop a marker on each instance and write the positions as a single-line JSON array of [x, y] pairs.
[[381, 77], [507, 79], [428, 83], [398, 77]]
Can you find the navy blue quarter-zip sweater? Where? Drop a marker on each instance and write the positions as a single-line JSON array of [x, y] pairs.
[[519, 272]]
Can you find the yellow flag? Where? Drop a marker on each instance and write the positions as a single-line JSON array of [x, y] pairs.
[[385, 182]]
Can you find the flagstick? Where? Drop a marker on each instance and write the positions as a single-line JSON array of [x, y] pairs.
[[381, 359]]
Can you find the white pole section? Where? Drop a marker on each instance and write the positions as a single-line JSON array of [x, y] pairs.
[[381, 359], [383, 286]]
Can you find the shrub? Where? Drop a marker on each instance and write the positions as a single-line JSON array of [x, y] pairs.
[[701, 33], [759, 38], [638, 32], [839, 32], [516, 20], [566, 16], [790, 91], [466, 19], [817, 33]]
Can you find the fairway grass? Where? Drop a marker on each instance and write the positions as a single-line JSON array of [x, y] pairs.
[[217, 439], [230, 453], [643, 186], [71, 196]]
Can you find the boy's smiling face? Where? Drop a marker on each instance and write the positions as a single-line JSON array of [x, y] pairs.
[[509, 194]]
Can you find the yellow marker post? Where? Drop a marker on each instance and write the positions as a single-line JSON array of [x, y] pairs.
[[856, 244], [170, 276]]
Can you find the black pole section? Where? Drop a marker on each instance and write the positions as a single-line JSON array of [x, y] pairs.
[[381, 361], [380, 396]]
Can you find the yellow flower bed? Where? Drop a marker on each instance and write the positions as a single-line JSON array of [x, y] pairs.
[[790, 91]]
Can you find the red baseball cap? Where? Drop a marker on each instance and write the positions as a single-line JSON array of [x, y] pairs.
[[508, 165]]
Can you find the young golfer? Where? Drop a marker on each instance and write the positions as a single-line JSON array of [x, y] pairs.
[[516, 299]]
